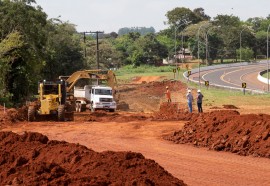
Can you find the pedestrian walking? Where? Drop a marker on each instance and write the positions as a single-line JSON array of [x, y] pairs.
[[199, 101], [189, 100], [168, 94]]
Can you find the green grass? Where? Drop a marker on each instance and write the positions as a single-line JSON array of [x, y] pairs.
[[225, 96], [265, 75], [128, 72]]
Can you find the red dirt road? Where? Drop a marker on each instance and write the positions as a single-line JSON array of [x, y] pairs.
[[195, 166], [139, 131]]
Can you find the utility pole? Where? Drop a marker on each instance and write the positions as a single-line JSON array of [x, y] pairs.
[[97, 51], [84, 40], [97, 32]]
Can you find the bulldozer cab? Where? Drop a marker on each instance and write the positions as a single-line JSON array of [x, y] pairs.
[[50, 89], [56, 89]]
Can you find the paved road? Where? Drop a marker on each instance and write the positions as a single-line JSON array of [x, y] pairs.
[[234, 76]]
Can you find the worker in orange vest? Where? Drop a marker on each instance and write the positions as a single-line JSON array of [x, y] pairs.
[[168, 94]]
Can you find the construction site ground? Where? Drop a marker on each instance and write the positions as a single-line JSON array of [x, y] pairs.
[[223, 146]]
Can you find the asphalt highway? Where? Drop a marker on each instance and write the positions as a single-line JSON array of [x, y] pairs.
[[230, 76]]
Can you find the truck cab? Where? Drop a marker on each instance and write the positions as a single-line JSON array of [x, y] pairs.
[[96, 97], [101, 97]]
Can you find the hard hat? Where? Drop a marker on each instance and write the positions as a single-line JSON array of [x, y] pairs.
[[167, 87], [199, 91], [189, 90]]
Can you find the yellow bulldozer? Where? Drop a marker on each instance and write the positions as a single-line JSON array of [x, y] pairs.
[[51, 101]]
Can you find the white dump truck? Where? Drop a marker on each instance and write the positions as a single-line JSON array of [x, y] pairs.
[[95, 97]]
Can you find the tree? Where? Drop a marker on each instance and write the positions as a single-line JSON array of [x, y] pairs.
[[125, 45], [8, 50], [24, 62], [229, 34], [63, 50], [109, 57], [151, 50], [167, 42], [140, 30], [199, 12], [246, 54], [178, 15]]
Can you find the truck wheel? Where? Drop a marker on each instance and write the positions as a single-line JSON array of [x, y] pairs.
[[31, 113], [78, 107], [61, 113], [92, 109]]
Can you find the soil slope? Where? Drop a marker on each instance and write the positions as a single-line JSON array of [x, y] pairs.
[[227, 130], [32, 159]]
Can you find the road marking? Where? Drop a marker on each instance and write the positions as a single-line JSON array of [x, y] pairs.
[[229, 68], [259, 66], [241, 77]]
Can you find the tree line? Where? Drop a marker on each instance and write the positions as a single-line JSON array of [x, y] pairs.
[[33, 47], [140, 30]]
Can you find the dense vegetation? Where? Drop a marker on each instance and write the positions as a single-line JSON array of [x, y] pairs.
[[33, 47]]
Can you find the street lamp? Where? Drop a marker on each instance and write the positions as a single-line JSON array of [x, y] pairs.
[[268, 58], [198, 53], [241, 43], [175, 29], [182, 43]]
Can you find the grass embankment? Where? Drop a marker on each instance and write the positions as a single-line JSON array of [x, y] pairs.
[[126, 73], [266, 75], [248, 103], [213, 97]]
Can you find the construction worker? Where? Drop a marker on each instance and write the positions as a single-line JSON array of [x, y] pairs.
[[189, 100], [199, 101], [168, 94]]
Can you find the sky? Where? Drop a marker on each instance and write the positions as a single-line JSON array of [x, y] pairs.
[[111, 15]]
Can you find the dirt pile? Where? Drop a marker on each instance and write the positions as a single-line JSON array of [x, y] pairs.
[[172, 111], [13, 115], [227, 130], [145, 97], [230, 107], [32, 159]]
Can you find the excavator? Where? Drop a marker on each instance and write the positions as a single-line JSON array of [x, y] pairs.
[[97, 93], [99, 76], [56, 98]]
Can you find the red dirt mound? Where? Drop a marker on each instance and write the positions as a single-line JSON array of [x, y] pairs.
[[146, 79], [146, 97], [230, 107], [227, 130], [32, 159], [171, 111], [12, 116]]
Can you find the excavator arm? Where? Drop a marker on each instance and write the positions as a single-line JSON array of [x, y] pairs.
[[107, 76]]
